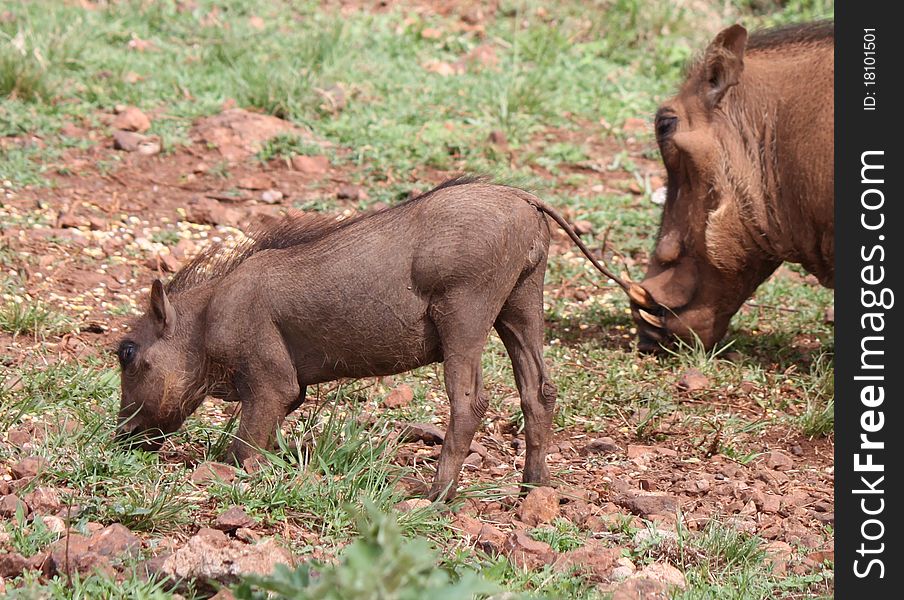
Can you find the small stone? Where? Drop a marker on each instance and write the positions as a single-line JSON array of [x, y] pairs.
[[473, 461], [232, 519], [351, 192], [583, 227], [213, 556], [399, 397], [149, 147], [43, 500], [213, 471], [592, 559], [311, 165], [129, 141], [498, 138], [603, 445], [541, 505], [527, 552], [131, 119], [255, 182], [28, 467], [272, 197], [247, 535], [72, 554], [422, 432], [12, 564], [54, 524], [11, 504], [114, 540], [779, 461], [406, 506], [693, 380], [636, 450], [635, 588], [650, 504]]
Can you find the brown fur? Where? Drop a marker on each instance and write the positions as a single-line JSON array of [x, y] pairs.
[[306, 302], [750, 163]]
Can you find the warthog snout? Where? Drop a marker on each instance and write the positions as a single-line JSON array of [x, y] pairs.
[[132, 436]]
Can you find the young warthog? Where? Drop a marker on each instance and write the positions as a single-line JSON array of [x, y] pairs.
[[311, 301]]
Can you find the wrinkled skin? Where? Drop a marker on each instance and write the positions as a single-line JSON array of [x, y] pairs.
[[420, 283], [748, 147]]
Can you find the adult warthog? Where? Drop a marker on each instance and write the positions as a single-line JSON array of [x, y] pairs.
[[748, 145]]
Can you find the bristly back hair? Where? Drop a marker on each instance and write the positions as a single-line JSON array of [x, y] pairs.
[[795, 34], [293, 229]]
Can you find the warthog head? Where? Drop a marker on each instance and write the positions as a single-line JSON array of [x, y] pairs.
[[705, 264], [159, 375]]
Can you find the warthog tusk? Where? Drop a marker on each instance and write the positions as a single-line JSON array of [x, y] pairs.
[[651, 319], [640, 296]]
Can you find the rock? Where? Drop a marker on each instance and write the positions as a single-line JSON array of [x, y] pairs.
[[636, 450], [829, 316], [54, 524], [208, 471], [693, 380], [406, 506], [210, 555], [603, 445], [238, 133], [44, 500], [527, 552], [498, 138], [351, 192], [28, 467], [311, 165], [255, 182], [467, 525], [771, 503], [207, 211], [247, 535], [114, 540], [12, 564], [400, 396], [11, 504], [131, 119], [149, 146], [129, 141], [490, 539], [582, 227], [272, 197], [232, 519], [664, 573], [592, 560], [541, 505], [473, 461], [422, 432], [650, 504], [72, 554], [778, 554], [779, 461], [635, 588]]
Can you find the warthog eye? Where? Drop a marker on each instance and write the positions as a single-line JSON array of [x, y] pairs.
[[665, 125], [126, 353]]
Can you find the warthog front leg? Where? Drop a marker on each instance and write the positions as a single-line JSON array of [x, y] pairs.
[[267, 395]]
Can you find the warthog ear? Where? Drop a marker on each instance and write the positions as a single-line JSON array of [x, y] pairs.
[[723, 63], [162, 310]]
